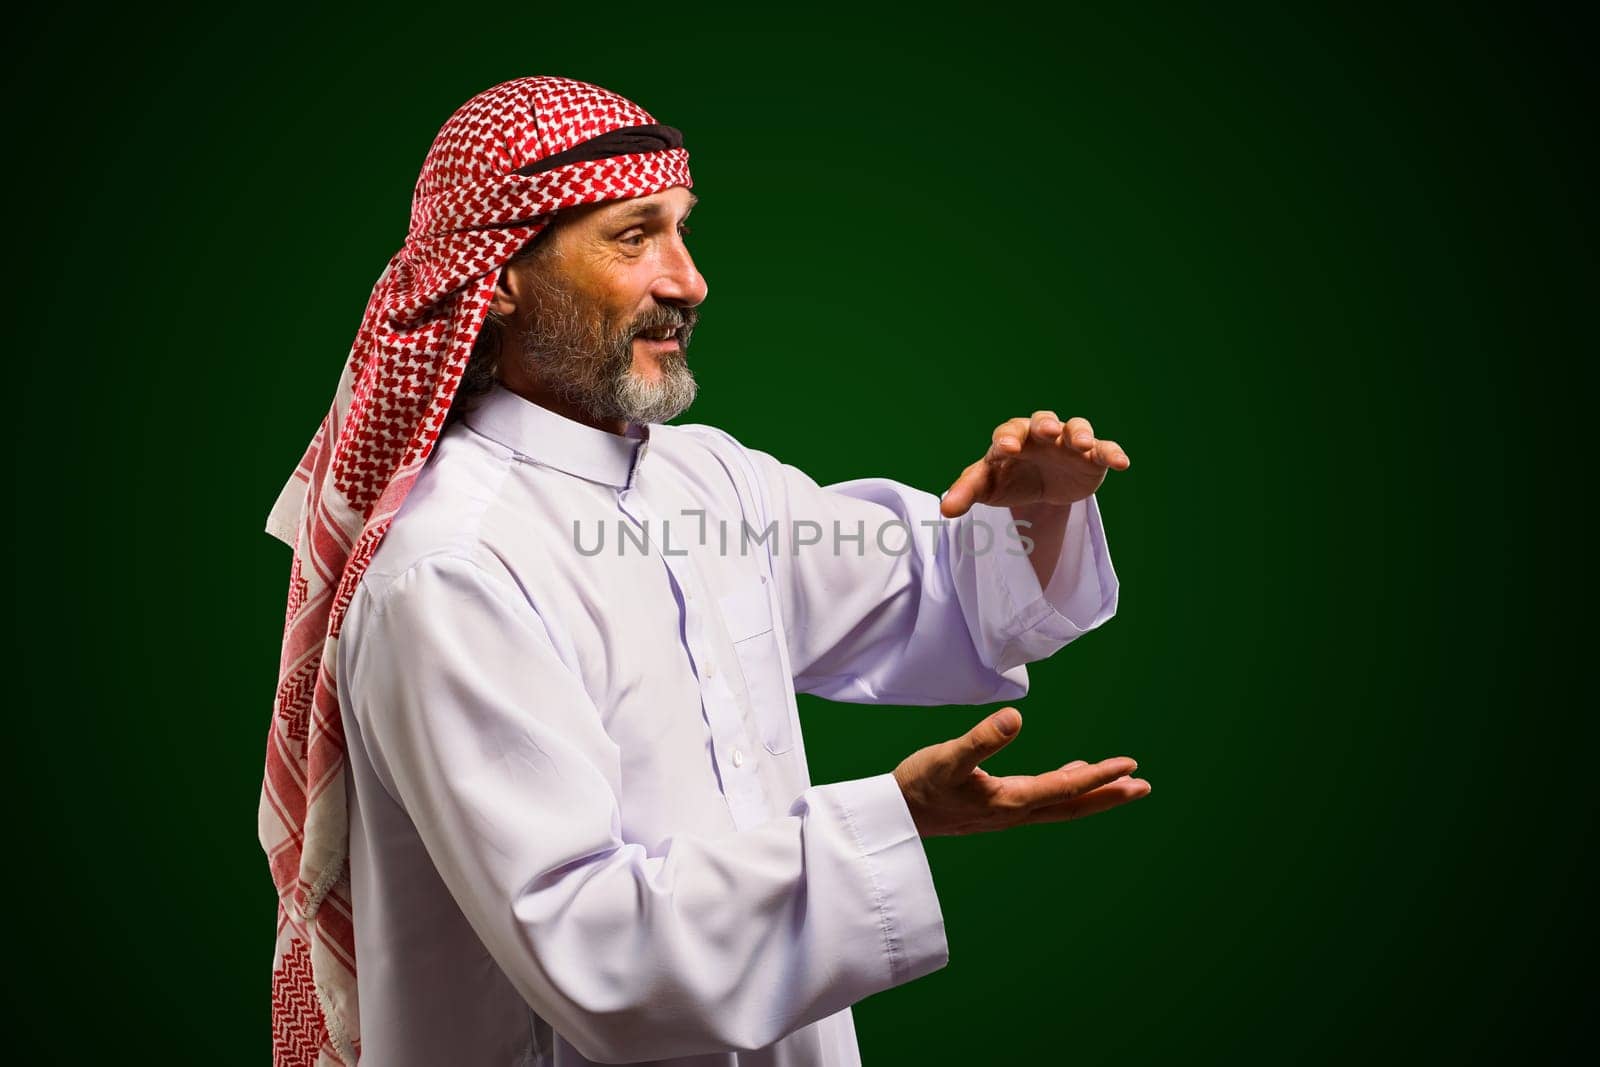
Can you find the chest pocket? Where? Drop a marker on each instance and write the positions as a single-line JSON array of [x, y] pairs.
[[747, 612]]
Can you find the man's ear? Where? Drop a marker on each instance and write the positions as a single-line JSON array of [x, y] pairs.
[[504, 303]]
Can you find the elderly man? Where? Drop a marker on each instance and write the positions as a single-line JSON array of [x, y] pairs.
[[537, 797]]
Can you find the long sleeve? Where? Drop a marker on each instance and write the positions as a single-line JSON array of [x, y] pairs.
[[487, 740], [921, 609]]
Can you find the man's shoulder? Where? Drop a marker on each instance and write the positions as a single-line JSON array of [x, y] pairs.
[[697, 435], [715, 442], [443, 514], [750, 471]]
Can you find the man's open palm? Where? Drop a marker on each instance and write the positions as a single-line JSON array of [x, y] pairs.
[[948, 793]]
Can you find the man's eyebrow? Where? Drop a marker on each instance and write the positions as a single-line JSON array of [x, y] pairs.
[[639, 212]]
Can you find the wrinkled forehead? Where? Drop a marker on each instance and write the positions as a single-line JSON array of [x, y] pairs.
[[672, 203]]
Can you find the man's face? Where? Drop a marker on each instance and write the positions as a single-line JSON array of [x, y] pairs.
[[595, 297]]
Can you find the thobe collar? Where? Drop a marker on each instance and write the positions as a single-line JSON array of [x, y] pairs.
[[550, 438]]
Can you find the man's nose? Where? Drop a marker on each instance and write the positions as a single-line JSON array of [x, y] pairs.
[[679, 281]]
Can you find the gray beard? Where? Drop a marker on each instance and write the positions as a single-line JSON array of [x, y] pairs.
[[587, 361]]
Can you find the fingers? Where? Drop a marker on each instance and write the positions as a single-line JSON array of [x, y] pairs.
[[1080, 435], [982, 741], [1046, 428], [1110, 454], [1065, 783], [977, 478], [1008, 437], [1111, 795], [1043, 427]]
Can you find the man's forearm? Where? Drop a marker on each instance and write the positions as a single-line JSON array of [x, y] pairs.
[[1047, 526]]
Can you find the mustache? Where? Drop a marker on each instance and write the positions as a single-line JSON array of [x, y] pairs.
[[684, 319]]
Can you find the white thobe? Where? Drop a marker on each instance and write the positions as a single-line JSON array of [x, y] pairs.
[[581, 824]]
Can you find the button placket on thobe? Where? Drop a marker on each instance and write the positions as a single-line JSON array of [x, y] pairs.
[[734, 752]]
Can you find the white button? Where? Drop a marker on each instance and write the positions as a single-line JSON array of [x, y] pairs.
[[688, 595], [738, 757]]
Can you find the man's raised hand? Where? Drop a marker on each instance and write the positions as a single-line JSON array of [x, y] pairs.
[[1038, 460], [948, 793]]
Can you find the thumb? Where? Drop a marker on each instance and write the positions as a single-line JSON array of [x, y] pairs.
[[984, 740], [971, 483]]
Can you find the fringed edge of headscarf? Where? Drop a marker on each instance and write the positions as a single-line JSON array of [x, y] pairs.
[[283, 521]]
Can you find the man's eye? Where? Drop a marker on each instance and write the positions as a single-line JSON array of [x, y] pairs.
[[632, 240]]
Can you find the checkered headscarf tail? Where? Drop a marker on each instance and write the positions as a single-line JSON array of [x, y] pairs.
[[471, 212]]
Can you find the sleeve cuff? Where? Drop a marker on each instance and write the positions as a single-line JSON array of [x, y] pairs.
[[908, 905]]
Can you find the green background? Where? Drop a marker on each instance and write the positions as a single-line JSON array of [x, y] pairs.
[[1329, 278]]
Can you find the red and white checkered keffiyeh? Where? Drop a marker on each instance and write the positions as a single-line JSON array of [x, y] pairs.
[[471, 212]]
